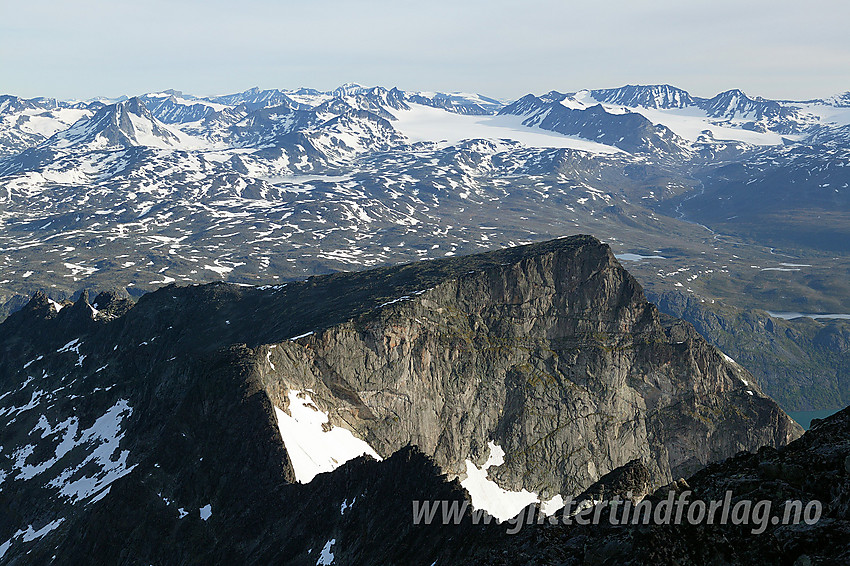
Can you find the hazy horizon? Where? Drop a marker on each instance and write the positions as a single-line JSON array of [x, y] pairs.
[[122, 96], [95, 48]]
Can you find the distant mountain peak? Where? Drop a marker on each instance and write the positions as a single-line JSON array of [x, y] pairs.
[[735, 103], [348, 89], [840, 100], [124, 124], [661, 96]]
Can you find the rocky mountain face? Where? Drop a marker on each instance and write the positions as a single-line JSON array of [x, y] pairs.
[[449, 367], [165, 419]]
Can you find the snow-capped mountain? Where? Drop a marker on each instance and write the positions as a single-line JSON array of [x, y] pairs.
[[267, 127], [25, 123], [254, 98], [460, 103], [171, 107], [629, 131], [663, 97], [729, 105], [729, 117], [600, 116], [117, 126], [839, 100]]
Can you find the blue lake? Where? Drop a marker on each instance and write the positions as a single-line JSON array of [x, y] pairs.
[[805, 417]]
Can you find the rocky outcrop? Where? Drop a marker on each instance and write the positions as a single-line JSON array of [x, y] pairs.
[[631, 481]]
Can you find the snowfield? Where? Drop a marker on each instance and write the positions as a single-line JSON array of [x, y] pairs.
[[424, 123]]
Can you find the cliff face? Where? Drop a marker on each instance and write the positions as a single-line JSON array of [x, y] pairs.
[[557, 357], [159, 419]]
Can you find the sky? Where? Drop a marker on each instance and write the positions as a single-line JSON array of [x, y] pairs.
[[87, 48]]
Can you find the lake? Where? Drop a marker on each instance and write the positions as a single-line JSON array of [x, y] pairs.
[[636, 257], [805, 417], [793, 315]]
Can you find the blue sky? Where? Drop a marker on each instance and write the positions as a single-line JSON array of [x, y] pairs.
[[88, 48]]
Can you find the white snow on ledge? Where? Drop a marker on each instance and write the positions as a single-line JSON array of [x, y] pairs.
[[311, 449], [105, 461], [498, 502]]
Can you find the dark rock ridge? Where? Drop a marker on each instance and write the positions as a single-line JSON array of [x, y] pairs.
[[649, 96], [725, 105], [147, 432], [631, 132]]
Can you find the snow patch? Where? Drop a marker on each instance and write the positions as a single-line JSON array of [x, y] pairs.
[[312, 449], [301, 336], [30, 535], [345, 506], [110, 463], [636, 257], [72, 346], [327, 557], [488, 495], [553, 505], [221, 270]]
